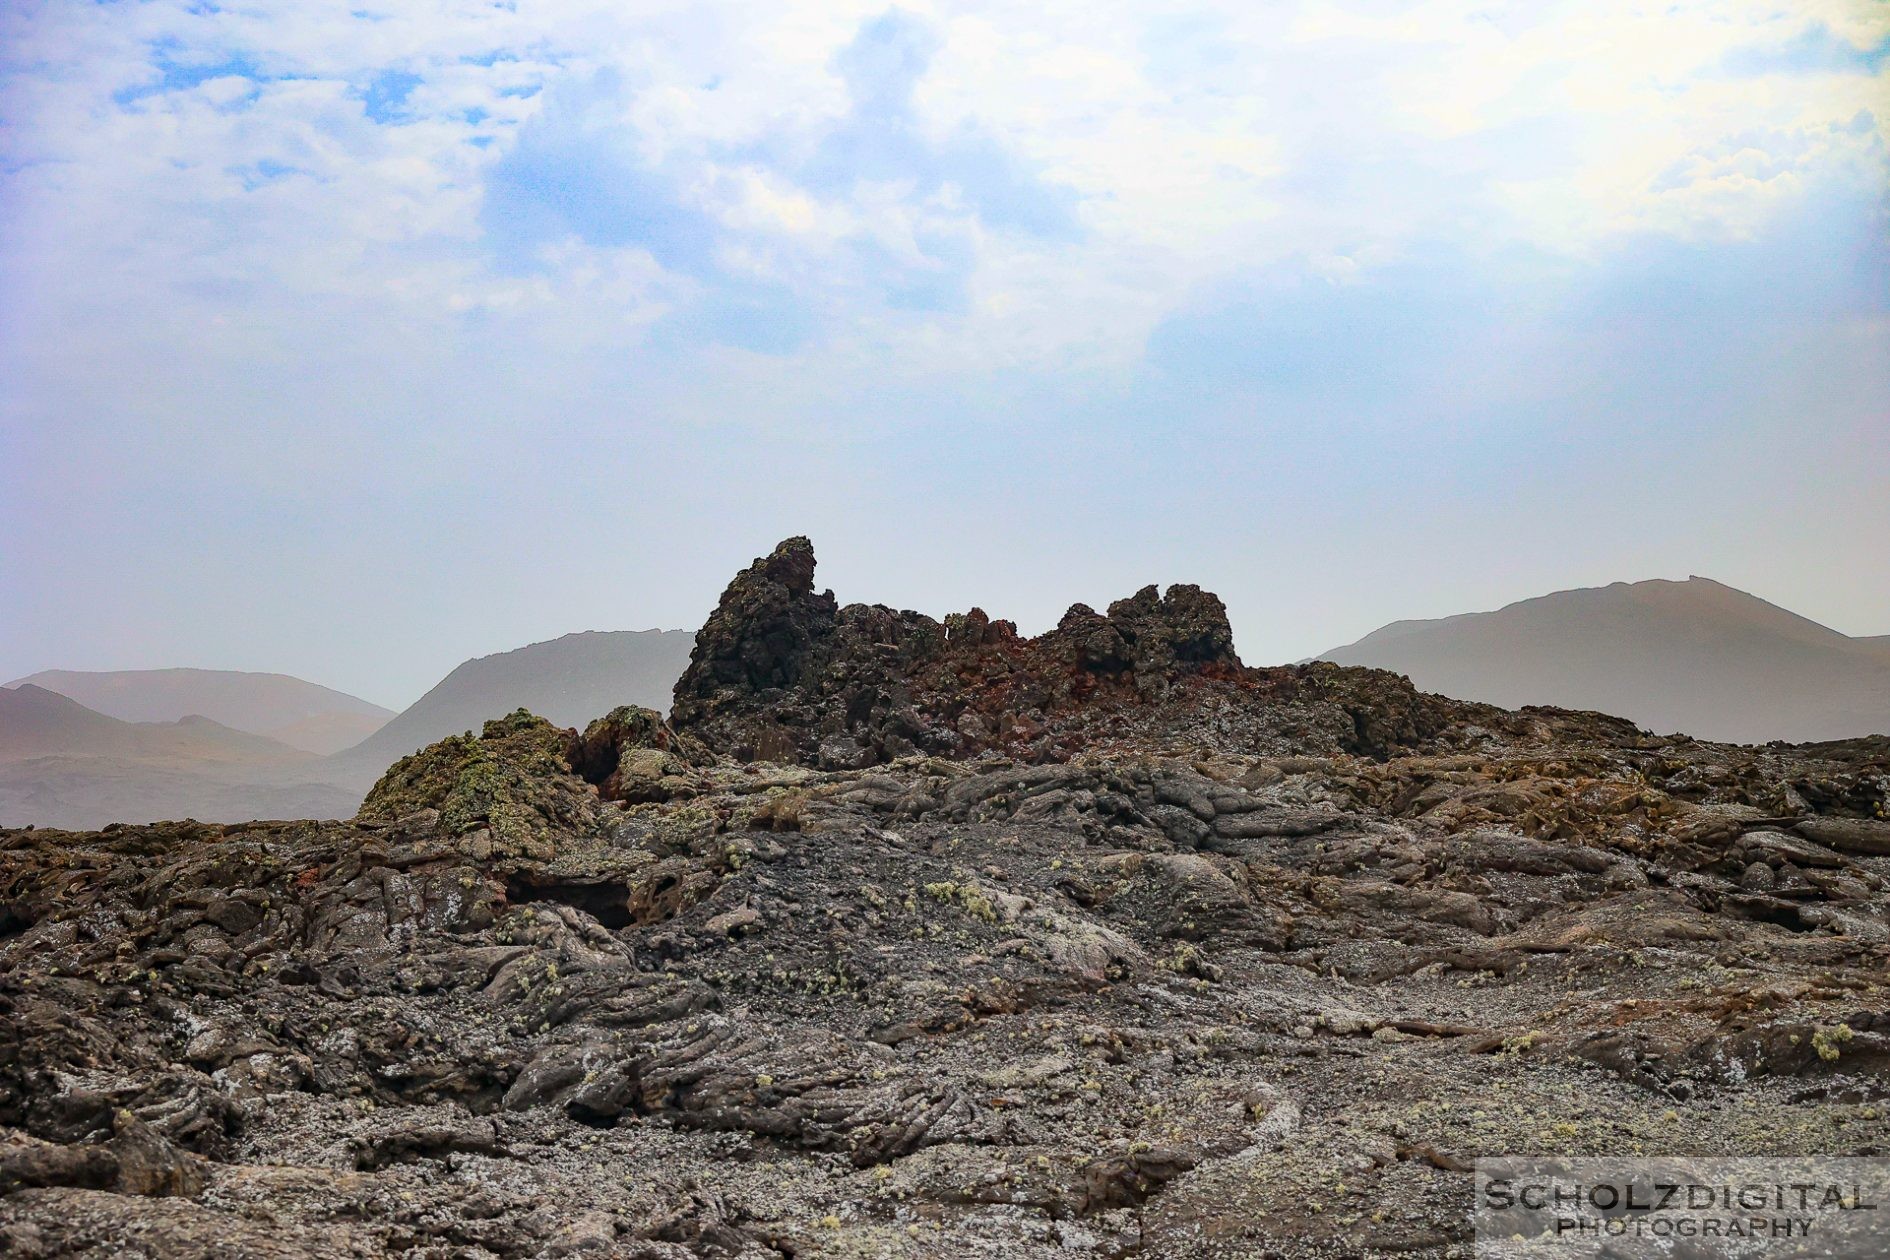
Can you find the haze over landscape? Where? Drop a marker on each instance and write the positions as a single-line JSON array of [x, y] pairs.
[[225, 746], [430, 335], [1692, 657], [415, 336], [953, 628]]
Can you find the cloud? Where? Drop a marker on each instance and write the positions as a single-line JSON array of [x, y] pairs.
[[882, 140], [169, 74], [386, 96], [578, 169], [735, 253], [1817, 49], [782, 230], [885, 61]]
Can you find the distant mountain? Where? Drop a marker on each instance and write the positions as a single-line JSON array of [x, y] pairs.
[[568, 681], [1696, 657], [64, 765], [301, 714], [35, 722]]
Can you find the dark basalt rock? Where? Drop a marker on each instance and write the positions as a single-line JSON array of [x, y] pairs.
[[633, 755], [514, 782], [768, 632], [1098, 944], [1166, 634], [780, 674]]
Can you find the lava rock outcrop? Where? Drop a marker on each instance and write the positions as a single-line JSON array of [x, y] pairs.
[[918, 939], [782, 673]]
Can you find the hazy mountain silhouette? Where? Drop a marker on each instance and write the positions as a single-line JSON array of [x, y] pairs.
[[568, 681], [301, 714], [64, 765], [36, 722], [1696, 656]]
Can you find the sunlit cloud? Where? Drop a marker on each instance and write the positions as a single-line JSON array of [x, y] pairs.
[[229, 234]]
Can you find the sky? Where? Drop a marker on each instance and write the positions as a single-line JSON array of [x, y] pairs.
[[353, 342]]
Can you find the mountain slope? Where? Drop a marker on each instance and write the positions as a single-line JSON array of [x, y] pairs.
[[35, 722], [568, 681], [301, 714], [63, 765], [1695, 656]]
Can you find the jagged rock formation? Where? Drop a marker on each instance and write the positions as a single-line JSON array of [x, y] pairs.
[[643, 992], [782, 673], [633, 755], [511, 785]]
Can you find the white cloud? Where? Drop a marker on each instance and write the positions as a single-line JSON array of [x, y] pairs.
[[1189, 149], [1270, 274]]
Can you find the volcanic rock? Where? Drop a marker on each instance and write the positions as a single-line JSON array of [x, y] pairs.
[[924, 939], [783, 674]]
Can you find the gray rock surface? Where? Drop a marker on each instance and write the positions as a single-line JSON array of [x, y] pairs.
[[1230, 978]]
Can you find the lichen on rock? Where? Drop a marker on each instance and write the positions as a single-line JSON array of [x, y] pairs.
[[514, 780], [633, 755], [1151, 953]]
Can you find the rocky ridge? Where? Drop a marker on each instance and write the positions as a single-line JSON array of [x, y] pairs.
[[911, 938], [781, 672]]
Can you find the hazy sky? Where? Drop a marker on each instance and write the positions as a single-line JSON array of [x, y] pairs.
[[353, 343]]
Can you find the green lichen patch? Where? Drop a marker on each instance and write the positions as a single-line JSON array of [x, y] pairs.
[[513, 781]]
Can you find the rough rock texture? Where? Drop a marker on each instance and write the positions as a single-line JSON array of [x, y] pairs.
[[1257, 969], [632, 754], [781, 673], [510, 785]]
